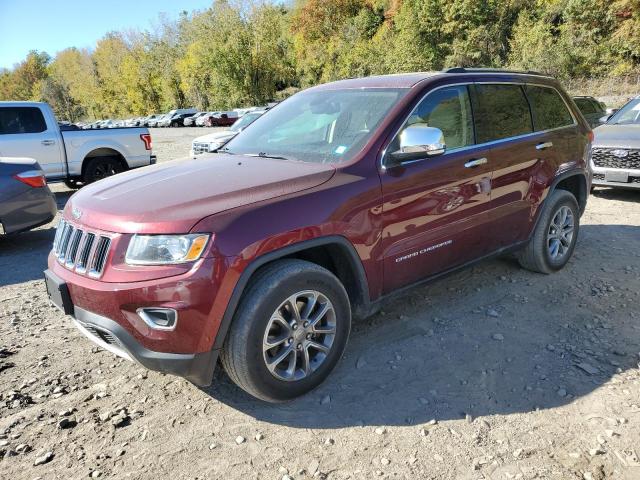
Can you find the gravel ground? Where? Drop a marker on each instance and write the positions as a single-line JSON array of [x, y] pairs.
[[492, 373]]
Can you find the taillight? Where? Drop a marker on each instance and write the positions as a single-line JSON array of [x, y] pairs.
[[591, 136], [33, 178], [146, 138]]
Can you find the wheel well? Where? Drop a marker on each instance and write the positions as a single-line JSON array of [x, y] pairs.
[[340, 262], [577, 185], [104, 152]]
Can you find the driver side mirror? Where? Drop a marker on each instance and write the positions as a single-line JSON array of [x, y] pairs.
[[419, 141], [605, 118]]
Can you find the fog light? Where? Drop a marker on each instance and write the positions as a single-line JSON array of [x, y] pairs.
[[159, 318]]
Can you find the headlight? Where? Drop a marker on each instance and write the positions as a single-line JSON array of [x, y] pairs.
[[165, 249]]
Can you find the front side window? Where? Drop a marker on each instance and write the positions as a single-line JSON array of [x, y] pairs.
[[448, 109], [501, 111], [549, 110], [328, 126], [16, 120], [629, 114]]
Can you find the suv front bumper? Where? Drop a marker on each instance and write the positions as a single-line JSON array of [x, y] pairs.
[[197, 367], [106, 314], [617, 178]]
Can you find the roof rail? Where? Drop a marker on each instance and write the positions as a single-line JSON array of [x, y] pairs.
[[490, 70]]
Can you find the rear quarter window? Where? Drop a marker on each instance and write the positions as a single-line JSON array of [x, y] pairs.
[[501, 111], [548, 108], [16, 120]]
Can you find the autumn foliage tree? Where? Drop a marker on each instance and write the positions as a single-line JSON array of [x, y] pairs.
[[246, 52]]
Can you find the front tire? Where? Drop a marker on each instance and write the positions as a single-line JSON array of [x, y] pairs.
[[289, 331], [555, 236], [101, 167]]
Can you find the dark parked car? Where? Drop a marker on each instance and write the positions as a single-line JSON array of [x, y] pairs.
[[25, 200], [592, 109], [336, 198], [177, 119]]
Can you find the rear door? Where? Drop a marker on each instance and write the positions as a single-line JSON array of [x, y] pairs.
[[25, 133], [435, 208], [530, 129]]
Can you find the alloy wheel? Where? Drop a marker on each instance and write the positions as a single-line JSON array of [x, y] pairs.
[[299, 335], [560, 234]]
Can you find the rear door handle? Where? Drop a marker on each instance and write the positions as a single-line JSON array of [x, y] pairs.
[[475, 163], [542, 146], [48, 142]]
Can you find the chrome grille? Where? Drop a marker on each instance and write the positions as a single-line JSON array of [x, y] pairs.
[[83, 257], [81, 251], [100, 257], [604, 157]]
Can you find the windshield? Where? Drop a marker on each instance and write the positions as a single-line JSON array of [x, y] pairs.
[[630, 113], [317, 126], [244, 121]]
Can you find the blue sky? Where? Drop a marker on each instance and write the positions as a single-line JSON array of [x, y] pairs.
[[51, 26]]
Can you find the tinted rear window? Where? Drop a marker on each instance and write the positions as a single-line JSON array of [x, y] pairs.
[[549, 110], [21, 120], [585, 106], [501, 111]]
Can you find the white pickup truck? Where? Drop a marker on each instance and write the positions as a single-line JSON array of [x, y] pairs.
[[30, 129]]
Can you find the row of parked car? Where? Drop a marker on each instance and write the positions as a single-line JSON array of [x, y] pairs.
[[180, 117]]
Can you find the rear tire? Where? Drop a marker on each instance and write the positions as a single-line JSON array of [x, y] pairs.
[[276, 354], [101, 167], [555, 236]]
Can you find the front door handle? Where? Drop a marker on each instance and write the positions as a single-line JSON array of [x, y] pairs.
[[48, 142], [542, 146], [475, 163]]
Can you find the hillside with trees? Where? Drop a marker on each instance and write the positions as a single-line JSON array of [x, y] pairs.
[[249, 52]]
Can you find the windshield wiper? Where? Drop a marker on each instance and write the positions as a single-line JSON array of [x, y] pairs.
[[264, 155], [225, 150]]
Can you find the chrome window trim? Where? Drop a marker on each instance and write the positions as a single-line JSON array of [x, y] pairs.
[[383, 167]]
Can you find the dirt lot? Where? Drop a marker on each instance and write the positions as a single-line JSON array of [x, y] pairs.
[[492, 373]]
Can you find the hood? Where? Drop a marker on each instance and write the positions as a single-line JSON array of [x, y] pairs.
[[215, 137], [617, 136], [172, 197]]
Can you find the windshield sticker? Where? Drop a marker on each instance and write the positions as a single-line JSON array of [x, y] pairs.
[[341, 149]]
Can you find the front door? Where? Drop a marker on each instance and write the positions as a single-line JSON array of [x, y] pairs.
[[434, 208]]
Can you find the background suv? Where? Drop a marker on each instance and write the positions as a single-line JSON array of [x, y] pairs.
[[336, 198], [616, 149]]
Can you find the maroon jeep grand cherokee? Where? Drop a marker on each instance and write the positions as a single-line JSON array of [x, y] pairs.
[[261, 254]]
